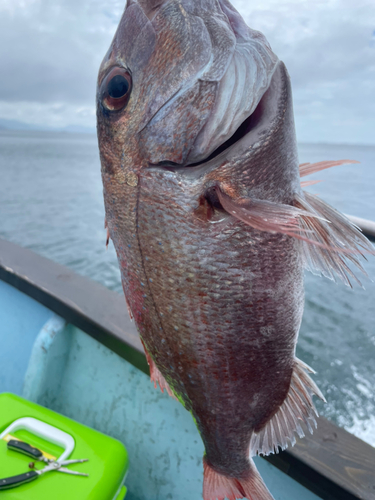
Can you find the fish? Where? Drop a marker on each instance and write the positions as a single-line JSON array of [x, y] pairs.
[[212, 228]]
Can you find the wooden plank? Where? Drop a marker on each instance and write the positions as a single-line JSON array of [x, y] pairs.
[[332, 463], [331, 453], [82, 302]]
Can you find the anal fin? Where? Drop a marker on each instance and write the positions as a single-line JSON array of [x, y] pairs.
[[296, 413]]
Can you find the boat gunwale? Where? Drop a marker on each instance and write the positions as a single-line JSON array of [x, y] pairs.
[[332, 463]]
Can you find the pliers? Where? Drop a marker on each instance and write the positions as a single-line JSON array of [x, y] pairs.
[[52, 465]]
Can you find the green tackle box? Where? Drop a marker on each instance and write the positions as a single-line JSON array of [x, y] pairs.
[[107, 465]]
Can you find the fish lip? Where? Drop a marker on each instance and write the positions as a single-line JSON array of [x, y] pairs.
[[252, 133]]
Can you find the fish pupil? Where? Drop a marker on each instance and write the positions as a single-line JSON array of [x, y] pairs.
[[118, 87]]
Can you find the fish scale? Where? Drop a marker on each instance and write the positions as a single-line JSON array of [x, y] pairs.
[[199, 294], [212, 229]]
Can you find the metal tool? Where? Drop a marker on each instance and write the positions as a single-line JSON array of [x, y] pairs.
[[26, 449], [44, 431]]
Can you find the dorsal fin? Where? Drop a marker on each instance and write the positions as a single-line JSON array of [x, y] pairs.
[[312, 168]]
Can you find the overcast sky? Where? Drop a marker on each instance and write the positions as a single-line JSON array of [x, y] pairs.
[[50, 51]]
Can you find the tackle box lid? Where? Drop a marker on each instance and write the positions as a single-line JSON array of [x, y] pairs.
[[107, 466]]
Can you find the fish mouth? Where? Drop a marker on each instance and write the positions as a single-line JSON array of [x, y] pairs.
[[245, 127], [255, 129]]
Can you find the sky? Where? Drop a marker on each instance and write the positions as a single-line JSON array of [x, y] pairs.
[[50, 52]]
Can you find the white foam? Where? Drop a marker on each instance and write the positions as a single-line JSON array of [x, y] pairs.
[[364, 429]]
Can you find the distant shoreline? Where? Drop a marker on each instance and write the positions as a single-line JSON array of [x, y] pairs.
[[48, 130], [21, 127], [14, 125]]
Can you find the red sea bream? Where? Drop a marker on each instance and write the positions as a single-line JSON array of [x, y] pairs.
[[211, 226]]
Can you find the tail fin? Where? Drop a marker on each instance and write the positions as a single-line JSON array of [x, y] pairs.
[[219, 487]]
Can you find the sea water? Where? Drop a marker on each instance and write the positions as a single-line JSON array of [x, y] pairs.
[[51, 202]]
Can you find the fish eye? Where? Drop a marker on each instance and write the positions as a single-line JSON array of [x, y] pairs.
[[115, 89], [118, 87]]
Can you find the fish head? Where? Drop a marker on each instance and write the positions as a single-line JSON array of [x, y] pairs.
[[179, 79]]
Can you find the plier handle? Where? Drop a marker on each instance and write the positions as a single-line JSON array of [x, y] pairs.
[[36, 454], [28, 450]]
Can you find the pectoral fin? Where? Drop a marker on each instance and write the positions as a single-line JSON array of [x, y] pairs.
[[265, 215], [333, 243], [329, 241]]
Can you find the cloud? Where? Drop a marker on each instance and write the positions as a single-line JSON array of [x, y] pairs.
[[329, 50], [50, 53], [50, 114]]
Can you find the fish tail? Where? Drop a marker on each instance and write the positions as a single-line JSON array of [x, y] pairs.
[[219, 487]]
